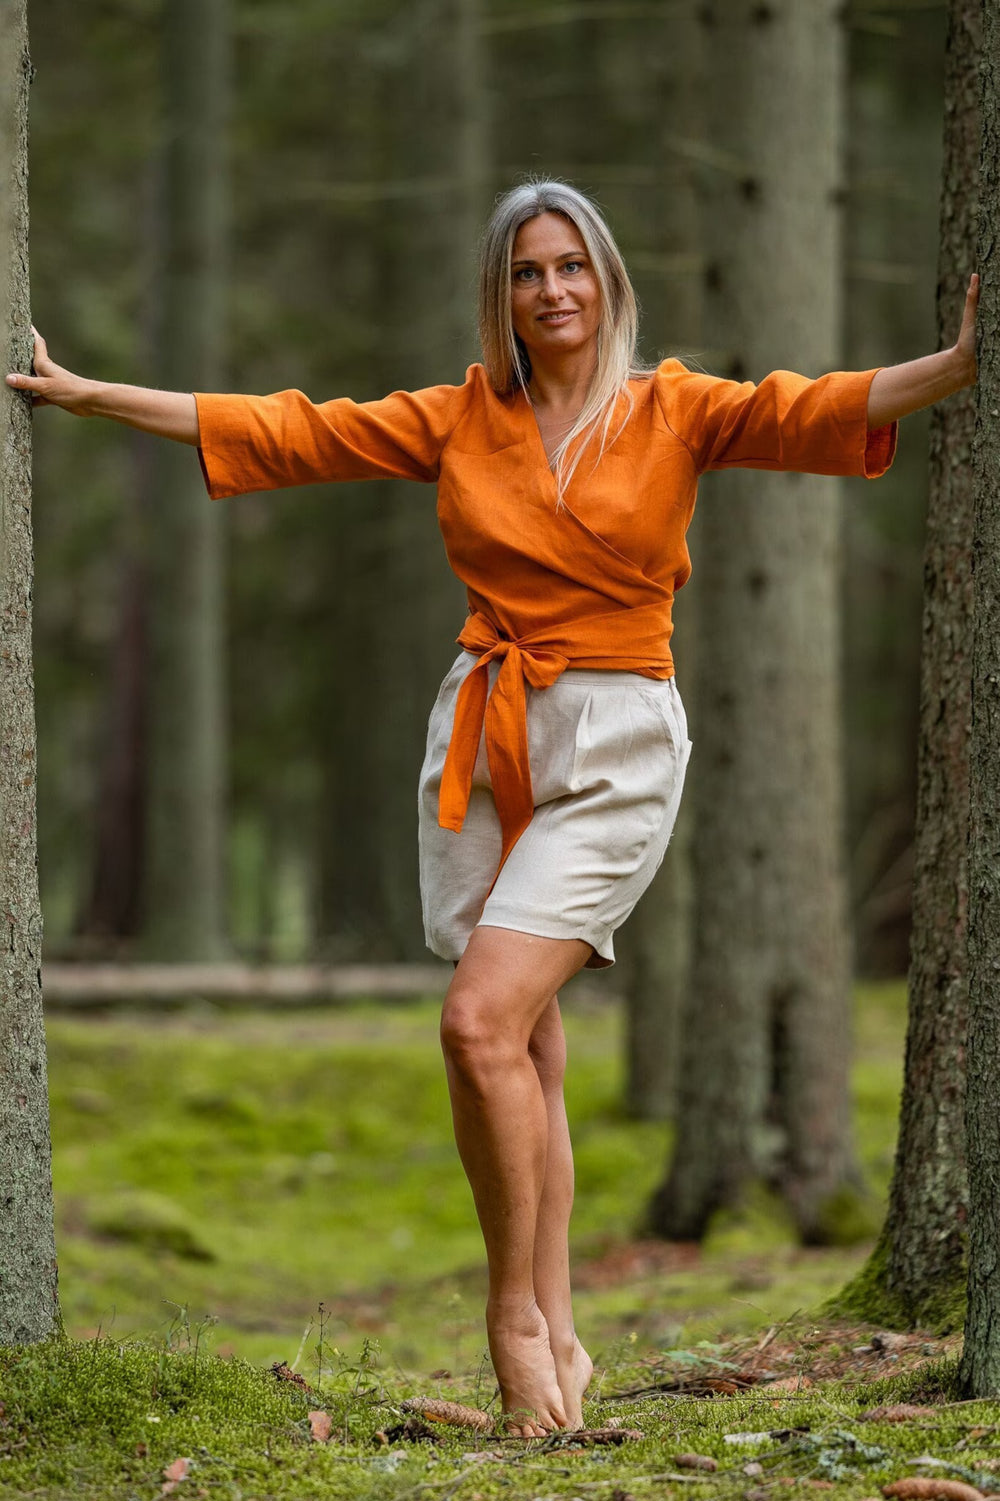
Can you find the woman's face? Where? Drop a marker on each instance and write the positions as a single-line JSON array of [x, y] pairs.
[[555, 296]]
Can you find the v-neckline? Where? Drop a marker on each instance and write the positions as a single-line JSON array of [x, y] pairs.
[[537, 439], [562, 505]]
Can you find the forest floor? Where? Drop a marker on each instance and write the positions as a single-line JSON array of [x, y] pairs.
[[241, 1191]]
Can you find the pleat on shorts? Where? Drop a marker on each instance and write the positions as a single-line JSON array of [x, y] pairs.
[[608, 754]]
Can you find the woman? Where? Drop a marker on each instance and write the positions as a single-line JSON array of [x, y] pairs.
[[556, 750]]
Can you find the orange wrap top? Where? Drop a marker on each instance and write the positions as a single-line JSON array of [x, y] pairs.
[[586, 584]]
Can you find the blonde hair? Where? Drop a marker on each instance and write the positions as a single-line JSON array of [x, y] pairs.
[[504, 355]]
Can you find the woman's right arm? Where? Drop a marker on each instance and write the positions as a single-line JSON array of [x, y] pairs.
[[169, 414]]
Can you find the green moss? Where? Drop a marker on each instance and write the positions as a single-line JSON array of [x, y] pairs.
[[849, 1216], [313, 1154], [868, 1296], [152, 1220], [100, 1420], [761, 1222]]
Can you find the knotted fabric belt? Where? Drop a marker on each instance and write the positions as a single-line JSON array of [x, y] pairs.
[[630, 640], [504, 712]]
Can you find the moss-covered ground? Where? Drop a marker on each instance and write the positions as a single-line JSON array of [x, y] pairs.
[[107, 1419], [238, 1189]]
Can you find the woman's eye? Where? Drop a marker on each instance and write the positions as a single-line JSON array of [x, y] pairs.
[[573, 266], [525, 273]]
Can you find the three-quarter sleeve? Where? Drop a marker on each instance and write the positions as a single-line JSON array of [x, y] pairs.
[[267, 442], [785, 422]]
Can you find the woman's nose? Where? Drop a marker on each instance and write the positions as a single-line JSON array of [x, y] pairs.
[[551, 285]]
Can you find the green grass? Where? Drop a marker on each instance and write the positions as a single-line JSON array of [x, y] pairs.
[[235, 1189]]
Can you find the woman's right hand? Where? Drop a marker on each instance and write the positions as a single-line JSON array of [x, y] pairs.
[[170, 414], [51, 385]]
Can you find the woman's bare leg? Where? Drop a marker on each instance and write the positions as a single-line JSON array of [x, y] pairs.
[[551, 1259], [503, 984]]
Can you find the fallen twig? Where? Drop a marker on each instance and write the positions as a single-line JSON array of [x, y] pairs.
[[586, 1437]]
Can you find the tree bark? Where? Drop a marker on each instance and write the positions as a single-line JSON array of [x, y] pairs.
[[184, 895], [916, 1275], [764, 1072], [28, 1296], [979, 1374]]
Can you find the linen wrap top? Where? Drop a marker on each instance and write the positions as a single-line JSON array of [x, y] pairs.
[[586, 583]]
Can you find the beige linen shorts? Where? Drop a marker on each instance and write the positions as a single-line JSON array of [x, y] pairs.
[[608, 754]]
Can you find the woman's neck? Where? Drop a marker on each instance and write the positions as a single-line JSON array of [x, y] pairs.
[[563, 386]]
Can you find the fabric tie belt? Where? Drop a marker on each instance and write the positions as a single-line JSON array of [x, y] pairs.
[[504, 713], [635, 639]]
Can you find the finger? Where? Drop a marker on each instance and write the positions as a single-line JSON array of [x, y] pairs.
[[41, 361], [40, 355], [971, 303], [24, 382]]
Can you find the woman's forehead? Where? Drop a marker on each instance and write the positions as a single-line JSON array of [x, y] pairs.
[[547, 234]]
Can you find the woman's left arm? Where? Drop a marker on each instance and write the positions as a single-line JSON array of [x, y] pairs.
[[897, 390]]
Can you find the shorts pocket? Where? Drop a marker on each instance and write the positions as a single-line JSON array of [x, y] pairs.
[[583, 744], [666, 702]]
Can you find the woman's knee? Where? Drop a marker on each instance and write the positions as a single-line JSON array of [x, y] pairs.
[[472, 1039]]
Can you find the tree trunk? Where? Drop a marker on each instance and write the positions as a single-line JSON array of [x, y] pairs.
[[112, 906], [979, 1375], [891, 253], [429, 339], [28, 1299], [400, 603], [917, 1272], [764, 1077], [655, 945], [184, 895]]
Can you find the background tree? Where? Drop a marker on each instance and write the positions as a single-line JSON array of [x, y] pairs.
[[916, 1275], [654, 948], [401, 607], [892, 211], [112, 902], [184, 890], [28, 1300], [979, 1373], [763, 1095]]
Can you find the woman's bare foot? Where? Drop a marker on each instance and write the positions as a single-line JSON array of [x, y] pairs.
[[525, 1371], [573, 1372]]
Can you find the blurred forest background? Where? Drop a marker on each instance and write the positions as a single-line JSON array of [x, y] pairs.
[[357, 149]]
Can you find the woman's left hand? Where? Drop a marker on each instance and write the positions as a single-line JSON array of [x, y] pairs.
[[897, 390], [965, 345]]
